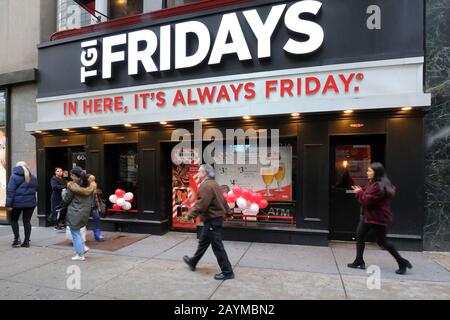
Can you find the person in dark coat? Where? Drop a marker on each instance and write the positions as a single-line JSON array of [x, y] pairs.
[[212, 208], [21, 198], [374, 198], [58, 183]]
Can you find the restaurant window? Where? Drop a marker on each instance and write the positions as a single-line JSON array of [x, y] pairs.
[[174, 3], [121, 169], [3, 155], [124, 8], [276, 185]]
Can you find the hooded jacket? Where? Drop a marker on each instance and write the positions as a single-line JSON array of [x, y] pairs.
[[79, 204], [20, 194]]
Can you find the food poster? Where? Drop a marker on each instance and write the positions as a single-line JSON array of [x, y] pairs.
[[273, 183], [184, 191]]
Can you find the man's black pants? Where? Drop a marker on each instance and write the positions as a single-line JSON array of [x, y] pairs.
[[212, 234]]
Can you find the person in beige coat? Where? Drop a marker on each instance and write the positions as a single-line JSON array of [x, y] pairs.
[[78, 198]]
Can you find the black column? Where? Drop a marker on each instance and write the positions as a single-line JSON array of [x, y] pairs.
[[313, 144]]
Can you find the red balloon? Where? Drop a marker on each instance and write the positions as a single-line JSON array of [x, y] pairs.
[[120, 193], [246, 194], [116, 207], [263, 203], [231, 198], [254, 198], [236, 191], [225, 196]]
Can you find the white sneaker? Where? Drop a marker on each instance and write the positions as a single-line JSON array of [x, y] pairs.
[[78, 258], [86, 249]]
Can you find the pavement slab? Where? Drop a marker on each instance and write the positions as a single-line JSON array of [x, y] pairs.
[[151, 246], [97, 269], [266, 284], [162, 280], [357, 289], [290, 257], [424, 268], [442, 258], [19, 260], [10, 290]]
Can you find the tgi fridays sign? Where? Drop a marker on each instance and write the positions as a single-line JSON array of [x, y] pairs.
[[275, 57], [142, 45]]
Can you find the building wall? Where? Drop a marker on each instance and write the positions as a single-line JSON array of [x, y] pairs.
[[23, 25], [437, 126], [19, 32]]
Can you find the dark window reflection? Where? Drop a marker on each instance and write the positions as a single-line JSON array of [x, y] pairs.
[[174, 3], [123, 8]]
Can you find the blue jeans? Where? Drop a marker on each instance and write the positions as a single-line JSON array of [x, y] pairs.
[[77, 241]]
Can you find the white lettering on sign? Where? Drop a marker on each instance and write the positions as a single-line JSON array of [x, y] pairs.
[[230, 39]]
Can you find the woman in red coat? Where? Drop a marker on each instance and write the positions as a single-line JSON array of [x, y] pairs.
[[374, 198]]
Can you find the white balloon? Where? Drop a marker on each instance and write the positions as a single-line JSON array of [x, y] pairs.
[[254, 208], [230, 193], [241, 203], [120, 202], [128, 196], [231, 205], [249, 203], [127, 206], [113, 198]]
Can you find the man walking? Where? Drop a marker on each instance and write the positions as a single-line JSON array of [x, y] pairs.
[[212, 207]]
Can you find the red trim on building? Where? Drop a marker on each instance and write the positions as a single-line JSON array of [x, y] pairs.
[[155, 15]]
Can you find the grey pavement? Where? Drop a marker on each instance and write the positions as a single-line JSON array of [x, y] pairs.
[[153, 269]]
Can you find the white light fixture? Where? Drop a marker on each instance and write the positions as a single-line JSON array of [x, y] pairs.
[[295, 114], [406, 108], [246, 117], [127, 125], [163, 122], [348, 111]]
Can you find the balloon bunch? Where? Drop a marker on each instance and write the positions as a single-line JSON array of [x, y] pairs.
[[121, 199], [245, 199]]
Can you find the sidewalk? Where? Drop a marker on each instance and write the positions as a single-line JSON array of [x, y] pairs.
[[153, 269]]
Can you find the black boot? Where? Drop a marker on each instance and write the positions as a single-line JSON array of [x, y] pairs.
[[357, 264], [25, 244], [402, 265], [188, 261], [16, 243]]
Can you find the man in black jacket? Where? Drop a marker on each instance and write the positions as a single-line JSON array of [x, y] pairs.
[[212, 207], [58, 183]]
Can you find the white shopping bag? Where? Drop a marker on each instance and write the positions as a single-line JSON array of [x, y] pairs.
[[69, 234]]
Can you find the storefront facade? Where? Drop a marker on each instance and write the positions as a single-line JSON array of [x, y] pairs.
[[341, 81]]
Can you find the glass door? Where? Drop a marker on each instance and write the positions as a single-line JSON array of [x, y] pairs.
[[350, 158]]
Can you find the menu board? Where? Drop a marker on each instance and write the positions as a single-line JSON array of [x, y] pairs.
[[273, 183]]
